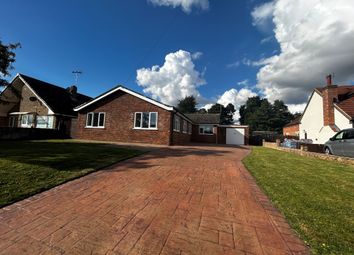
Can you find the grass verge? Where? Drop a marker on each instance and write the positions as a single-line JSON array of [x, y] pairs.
[[316, 196], [29, 167]]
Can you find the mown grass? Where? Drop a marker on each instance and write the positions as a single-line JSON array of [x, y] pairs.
[[316, 196], [29, 167]]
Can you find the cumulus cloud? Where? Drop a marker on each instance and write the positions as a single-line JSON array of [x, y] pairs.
[[315, 37], [174, 80], [262, 16], [186, 5], [237, 98]]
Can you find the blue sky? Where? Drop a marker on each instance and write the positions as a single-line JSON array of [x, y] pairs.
[[110, 40]]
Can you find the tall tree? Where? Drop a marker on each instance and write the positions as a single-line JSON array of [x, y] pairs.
[[261, 115], [7, 58], [187, 105], [226, 113]]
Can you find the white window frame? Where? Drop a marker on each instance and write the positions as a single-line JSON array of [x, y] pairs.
[[176, 127], [212, 128], [141, 121], [99, 116], [184, 127]]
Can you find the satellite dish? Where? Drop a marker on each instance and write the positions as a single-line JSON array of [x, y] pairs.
[[33, 99]]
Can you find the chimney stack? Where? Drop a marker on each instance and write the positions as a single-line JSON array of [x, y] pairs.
[[72, 90], [329, 80], [329, 97]]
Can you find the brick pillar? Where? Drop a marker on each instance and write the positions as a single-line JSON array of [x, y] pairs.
[[330, 95]]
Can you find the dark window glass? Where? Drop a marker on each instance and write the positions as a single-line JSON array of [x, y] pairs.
[[95, 120], [102, 115], [89, 119], [138, 120], [145, 120], [349, 134]]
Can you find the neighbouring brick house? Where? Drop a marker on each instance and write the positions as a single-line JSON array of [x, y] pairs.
[[123, 115], [292, 128], [31, 103], [329, 110]]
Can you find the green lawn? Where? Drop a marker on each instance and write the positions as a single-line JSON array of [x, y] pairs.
[[29, 167], [316, 196]]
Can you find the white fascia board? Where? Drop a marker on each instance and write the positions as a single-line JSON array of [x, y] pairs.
[[50, 111], [128, 91]]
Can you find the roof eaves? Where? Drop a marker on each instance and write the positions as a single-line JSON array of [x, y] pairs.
[[50, 111], [122, 88]]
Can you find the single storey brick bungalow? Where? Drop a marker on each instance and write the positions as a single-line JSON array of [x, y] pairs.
[[122, 115]]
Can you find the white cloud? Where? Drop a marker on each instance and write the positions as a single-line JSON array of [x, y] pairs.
[[267, 39], [174, 80], [186, 5], [233, 65], [295, 108], [316, 38], [256, 63], [237, 98], [262, 16], [243, 83]]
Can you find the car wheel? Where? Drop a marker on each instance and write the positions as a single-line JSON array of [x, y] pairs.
[[328, 151]]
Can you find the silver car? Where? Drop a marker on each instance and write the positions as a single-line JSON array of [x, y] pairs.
[[341, 144]]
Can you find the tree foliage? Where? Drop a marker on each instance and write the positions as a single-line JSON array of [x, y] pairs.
[[226, 113], [7, 58], [187, 105], [261, 115]]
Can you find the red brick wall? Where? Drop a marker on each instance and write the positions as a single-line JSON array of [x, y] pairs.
[[120, 108], [179, 138], [292, 130], [329, 93]]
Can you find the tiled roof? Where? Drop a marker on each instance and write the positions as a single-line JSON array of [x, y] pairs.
[[347, 106], [206, 118], [60, 100]]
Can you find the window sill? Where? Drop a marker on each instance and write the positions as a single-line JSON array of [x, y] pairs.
[[206, 134], [95, 127], [145, 128], [178, 131]]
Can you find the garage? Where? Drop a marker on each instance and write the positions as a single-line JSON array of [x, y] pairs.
[[235, 135]]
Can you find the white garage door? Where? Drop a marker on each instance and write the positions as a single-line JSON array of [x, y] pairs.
[[235, 136]]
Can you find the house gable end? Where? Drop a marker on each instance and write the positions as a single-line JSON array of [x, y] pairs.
[[121, 88]]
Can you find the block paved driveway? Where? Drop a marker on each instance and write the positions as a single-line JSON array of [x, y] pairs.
[[179, 200]]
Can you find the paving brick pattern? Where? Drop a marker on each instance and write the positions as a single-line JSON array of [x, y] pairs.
[[180, 200]]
